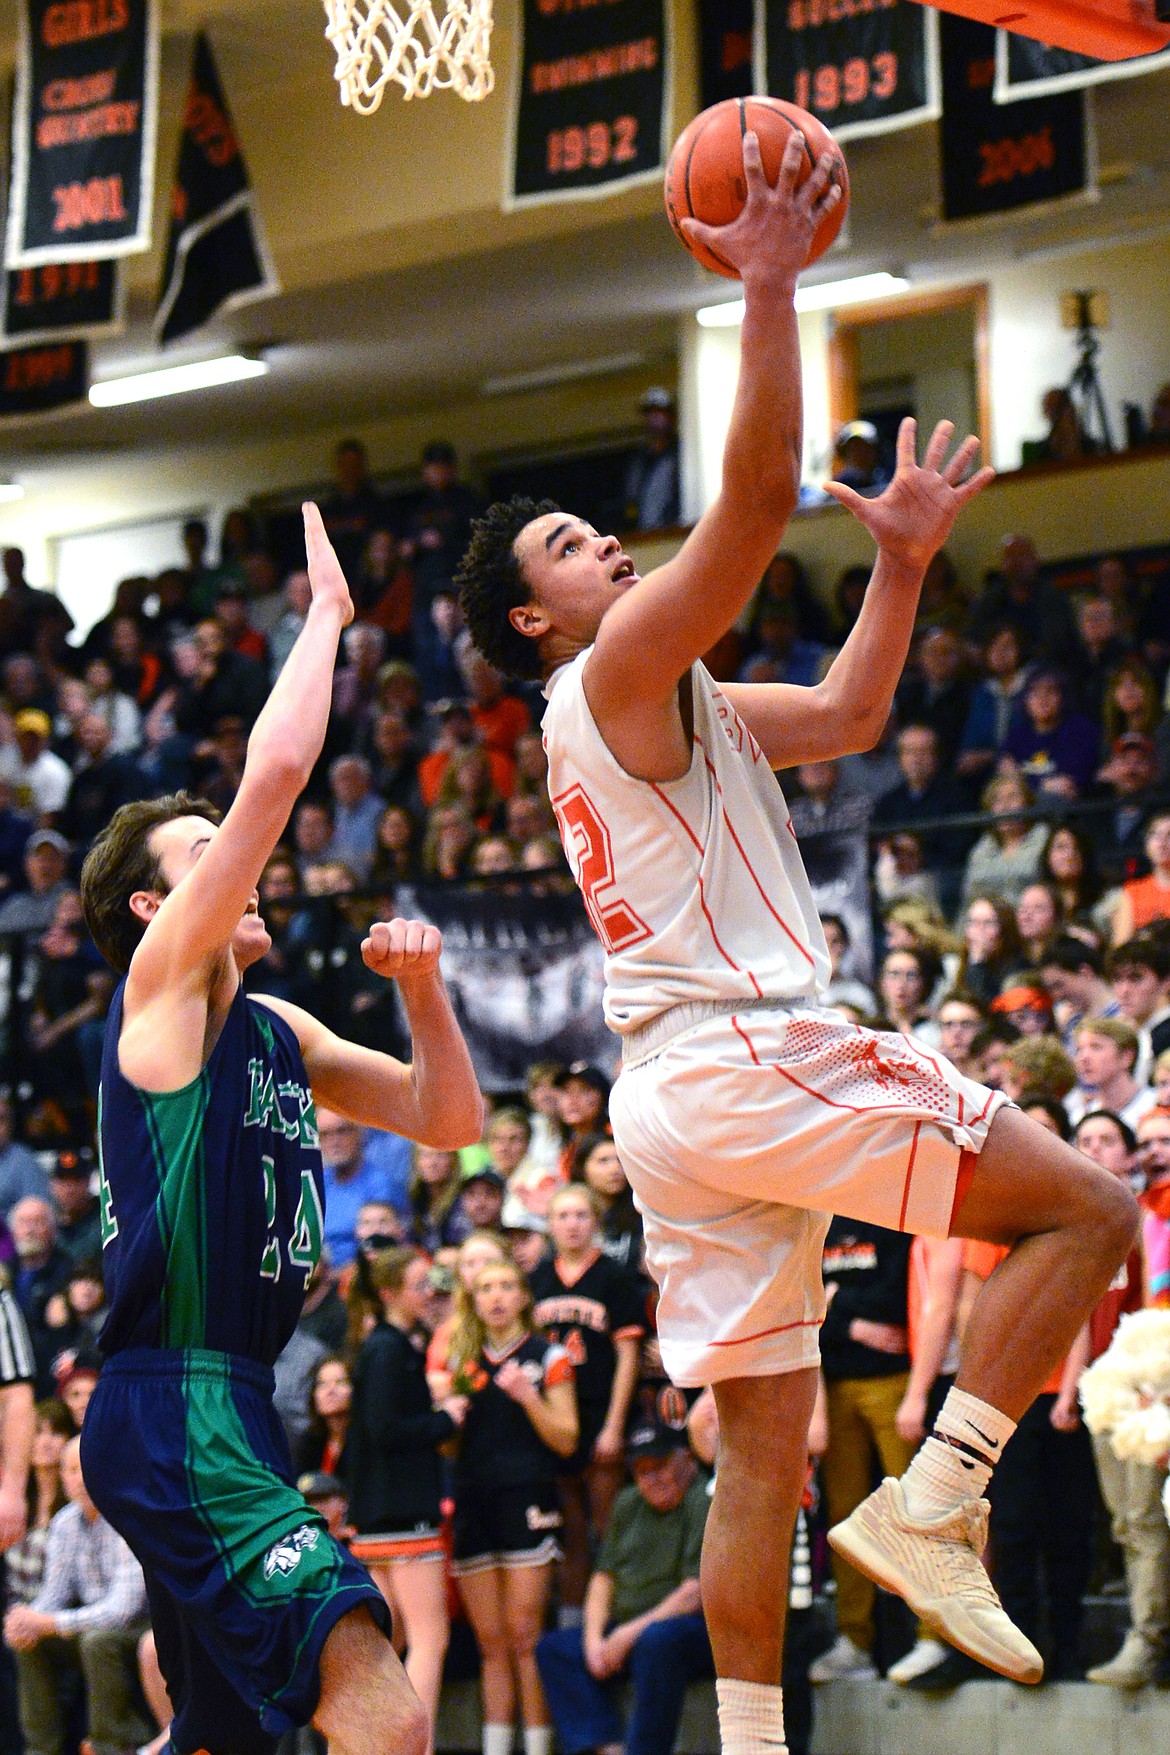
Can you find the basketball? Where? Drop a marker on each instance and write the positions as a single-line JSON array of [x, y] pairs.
[[705, 176]]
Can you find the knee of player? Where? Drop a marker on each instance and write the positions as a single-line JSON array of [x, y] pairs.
[[1112, 1216]]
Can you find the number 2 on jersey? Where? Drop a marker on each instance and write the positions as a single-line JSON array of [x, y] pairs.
[[614, 921]]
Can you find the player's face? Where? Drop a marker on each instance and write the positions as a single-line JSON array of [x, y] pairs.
[[180, 845], [575, 577]]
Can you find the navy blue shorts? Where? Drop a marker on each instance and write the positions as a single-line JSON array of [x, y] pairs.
[[183, 1454]]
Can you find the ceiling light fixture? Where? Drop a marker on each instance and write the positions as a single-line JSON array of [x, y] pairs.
[[825, 297], [544, 377], [176, 380], [10, 490]]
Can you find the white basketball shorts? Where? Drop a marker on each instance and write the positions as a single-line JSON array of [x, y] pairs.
[[743, 1134]]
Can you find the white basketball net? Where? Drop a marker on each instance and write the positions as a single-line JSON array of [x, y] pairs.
[[423, 45]]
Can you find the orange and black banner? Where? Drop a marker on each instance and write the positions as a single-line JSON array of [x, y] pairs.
[[860, 66], [61, 301], [35, 380], [999, 157], [216, 255], [83, 132], [1027, 69], [590, 102], [726, 43]]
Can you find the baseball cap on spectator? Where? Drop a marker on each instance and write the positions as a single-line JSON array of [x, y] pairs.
[[1022, 997], [652, 1437], [515, 1216], [82, 1363], [33, 719], [584, 1073], [316, 1485], [858, 429], [439, 451], [46, 838], [1134, 740], [483, 1173], [74, 1162]]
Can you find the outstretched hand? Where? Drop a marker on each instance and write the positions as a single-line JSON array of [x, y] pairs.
[[772, 234], [402, 950], [912, 519], [325, 575]]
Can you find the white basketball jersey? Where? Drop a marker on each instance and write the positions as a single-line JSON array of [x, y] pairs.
[[695, 887]]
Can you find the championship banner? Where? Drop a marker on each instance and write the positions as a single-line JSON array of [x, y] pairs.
[[589, 110], [726, 50], [83, 132], [35, 380], [525, 974], [1026, 69], [995, 159], [860, 66], [216, 254], [61, 299]]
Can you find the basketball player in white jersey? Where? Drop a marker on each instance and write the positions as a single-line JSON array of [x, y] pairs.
[[747, 1111]]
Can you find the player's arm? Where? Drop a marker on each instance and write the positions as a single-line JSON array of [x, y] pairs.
[[910, 521], [196, 921], [436, 1099], [652, 636]]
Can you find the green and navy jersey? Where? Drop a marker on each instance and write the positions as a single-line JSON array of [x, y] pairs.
[[211, 1195]]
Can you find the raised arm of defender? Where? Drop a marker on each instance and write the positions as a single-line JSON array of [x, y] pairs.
[[650, 638], [195, 922]]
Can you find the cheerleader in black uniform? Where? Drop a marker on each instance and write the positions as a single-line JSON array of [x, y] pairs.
[[521, 1420], [393, 1468]]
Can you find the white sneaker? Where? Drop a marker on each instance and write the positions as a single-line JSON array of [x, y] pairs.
[[935, 1566], [924, 1655], [844, 1661], [1135, 1665]]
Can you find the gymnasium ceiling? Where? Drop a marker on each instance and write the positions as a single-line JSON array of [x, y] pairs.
[[384, 309]]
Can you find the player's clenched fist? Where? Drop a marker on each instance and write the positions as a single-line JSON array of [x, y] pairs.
[[399, 949]]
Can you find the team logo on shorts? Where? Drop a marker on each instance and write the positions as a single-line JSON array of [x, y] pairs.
[[285, 1556]]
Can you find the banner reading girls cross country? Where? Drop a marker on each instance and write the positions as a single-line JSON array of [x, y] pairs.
[[1026, 69], [83, 131], [590, 98], [860, 66]]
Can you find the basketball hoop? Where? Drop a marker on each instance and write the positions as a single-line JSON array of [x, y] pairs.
[[423, 45]]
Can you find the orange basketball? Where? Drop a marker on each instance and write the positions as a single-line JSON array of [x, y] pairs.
[[705, 177]]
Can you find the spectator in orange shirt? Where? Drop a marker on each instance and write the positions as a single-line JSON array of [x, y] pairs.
[[500, 718], [458, 733]]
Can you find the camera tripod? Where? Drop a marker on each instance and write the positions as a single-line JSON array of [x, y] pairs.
[[1084, 386]]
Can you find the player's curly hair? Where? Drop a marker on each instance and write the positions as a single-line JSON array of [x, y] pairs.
[[490, 583]]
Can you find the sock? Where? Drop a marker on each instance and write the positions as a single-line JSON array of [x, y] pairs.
[[537, 1740], [956, 1461], [497, 1739], [751, 1717]]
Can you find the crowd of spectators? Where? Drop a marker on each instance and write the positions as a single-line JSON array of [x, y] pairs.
[[474, 1394]]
